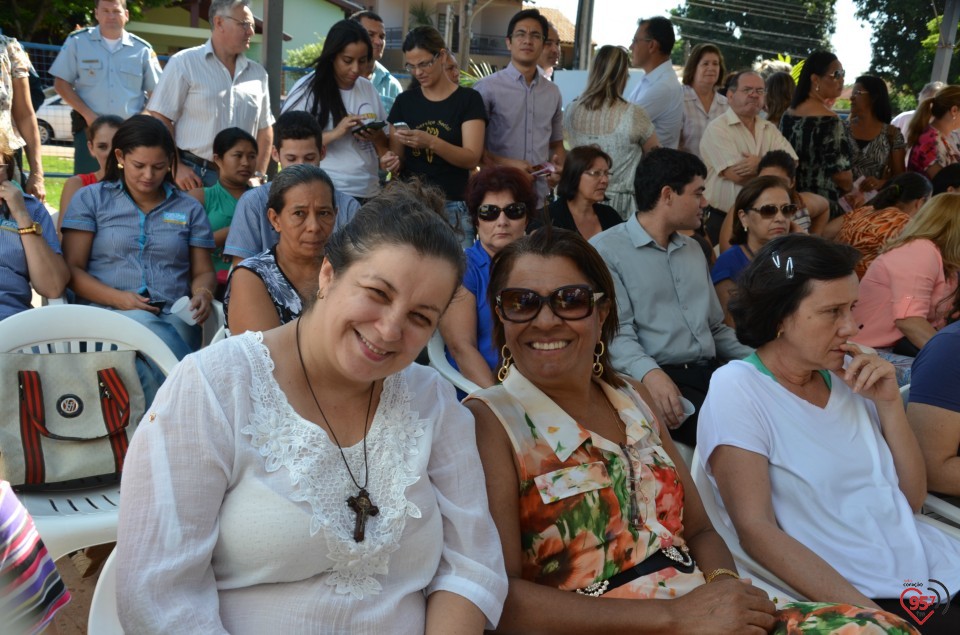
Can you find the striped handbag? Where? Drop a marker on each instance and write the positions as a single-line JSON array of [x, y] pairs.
[[66, 417]]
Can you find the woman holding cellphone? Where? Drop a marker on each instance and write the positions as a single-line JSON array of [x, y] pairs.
[[438, 126]]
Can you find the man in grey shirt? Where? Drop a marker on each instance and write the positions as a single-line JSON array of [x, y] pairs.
[[672, 336]]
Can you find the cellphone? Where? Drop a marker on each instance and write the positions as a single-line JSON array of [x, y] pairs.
[[373, 125], [543, 169], [400, 125], [157, 304]]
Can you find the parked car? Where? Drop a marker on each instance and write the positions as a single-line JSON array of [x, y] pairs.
[[53, 119]]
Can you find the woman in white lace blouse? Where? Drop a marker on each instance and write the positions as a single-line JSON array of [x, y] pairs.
[[311, 479]]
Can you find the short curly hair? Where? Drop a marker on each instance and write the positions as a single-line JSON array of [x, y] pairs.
[[771, 288]]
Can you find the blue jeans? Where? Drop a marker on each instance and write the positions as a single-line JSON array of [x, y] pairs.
[[459, 218], [182, 338], [208, 177]]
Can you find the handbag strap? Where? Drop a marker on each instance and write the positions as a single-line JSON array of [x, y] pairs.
[[31, 423], [115, 404]]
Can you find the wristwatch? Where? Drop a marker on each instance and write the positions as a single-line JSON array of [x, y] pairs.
[[260, 175], [33, 229]]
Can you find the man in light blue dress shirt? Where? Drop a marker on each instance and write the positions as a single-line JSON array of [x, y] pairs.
[[659, 91], [388, 86], [671, 336], [103, 70]]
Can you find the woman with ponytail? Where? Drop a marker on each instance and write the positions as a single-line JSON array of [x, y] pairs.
[[869, 227], [929, 135]]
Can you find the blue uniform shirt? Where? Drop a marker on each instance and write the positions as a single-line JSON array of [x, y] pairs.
[[133, 251], [15, 291], [110, 83]]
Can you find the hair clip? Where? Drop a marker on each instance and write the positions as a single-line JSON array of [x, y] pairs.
[[789, 268]]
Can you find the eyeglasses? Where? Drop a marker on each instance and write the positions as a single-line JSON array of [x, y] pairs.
[[769, 211], [247, 26], [523, 35], [549, 42], [514, 211], [760, 92], [572, 302], [597, 173], [422, 66], [637, 40], [857, 93], [838, 74]]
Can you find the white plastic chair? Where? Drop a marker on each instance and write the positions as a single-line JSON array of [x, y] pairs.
[[749, 567], [214, 329], [438, 359], [103, 618], [74, 519]]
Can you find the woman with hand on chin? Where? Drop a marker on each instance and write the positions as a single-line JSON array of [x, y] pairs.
[[808, 444], [136, 244], [445, 125], [339, 490], [764, 211]]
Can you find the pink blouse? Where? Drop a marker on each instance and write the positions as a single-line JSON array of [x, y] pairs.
[[908, 281]]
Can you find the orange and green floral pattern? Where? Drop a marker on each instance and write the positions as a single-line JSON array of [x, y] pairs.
[[576, 495], [821, 618]]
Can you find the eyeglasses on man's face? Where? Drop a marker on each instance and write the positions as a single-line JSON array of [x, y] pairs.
[[246, 25], [533, 36]]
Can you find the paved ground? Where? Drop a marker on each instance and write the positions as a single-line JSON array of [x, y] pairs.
[[72, 619]]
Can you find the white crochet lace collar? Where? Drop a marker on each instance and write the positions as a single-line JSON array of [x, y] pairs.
[[319, 478]]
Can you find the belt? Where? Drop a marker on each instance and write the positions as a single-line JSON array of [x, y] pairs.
[[680, 559], [192, 158], [710, 362]]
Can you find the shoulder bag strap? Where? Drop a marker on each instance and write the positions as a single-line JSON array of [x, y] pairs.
[[115, 404], [31, 423]]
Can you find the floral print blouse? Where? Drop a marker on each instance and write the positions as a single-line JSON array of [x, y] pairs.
[[576, 498], [286, 300], [823, 149], [932, 148], [14, 64]]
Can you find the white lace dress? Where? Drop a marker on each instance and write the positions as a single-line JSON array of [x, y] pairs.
[[233, 514]]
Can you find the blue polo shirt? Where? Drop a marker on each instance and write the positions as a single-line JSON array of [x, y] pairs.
[[476, 280], [133, 251], [251, 232], [936, 371], [15, 291]]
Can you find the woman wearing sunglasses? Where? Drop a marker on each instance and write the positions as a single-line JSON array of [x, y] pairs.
[[501, 201], [580, 194], [445, 125], [816, 132], [587, 490], [764, 211]]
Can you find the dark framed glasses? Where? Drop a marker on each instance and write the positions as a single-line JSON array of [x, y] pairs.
[[514, 211], [572, 302], [769, 211]]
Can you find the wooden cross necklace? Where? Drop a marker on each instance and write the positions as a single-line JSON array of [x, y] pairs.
[[361, 505]]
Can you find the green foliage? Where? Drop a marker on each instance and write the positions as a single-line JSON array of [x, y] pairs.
[[307, 54], [792, 28], [898, 48], [420, 15], [475, 74], [53, 20], [903, 99]]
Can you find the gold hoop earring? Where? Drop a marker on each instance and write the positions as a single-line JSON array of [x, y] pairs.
[[505, 366], [597, 365]]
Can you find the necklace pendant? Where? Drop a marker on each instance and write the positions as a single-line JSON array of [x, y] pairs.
[[363, 507]]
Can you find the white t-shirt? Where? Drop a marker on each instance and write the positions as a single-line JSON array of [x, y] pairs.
[[833, 483], [351, 163], [233, 514]]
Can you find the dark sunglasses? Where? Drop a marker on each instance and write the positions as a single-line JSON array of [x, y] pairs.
[[572, 302], [769, 211], [514, 211]]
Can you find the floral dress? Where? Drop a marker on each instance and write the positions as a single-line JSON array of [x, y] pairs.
[[823, 149], [286, 299], [932, 148], [581, 496], [14, 64]]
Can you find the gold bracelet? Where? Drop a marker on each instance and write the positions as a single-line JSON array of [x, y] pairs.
[[719, 572], [202, 289]]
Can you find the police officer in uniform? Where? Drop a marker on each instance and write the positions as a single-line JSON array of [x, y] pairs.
[[103, 70]]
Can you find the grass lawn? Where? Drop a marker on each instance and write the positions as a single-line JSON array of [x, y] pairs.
[[54, 185]]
